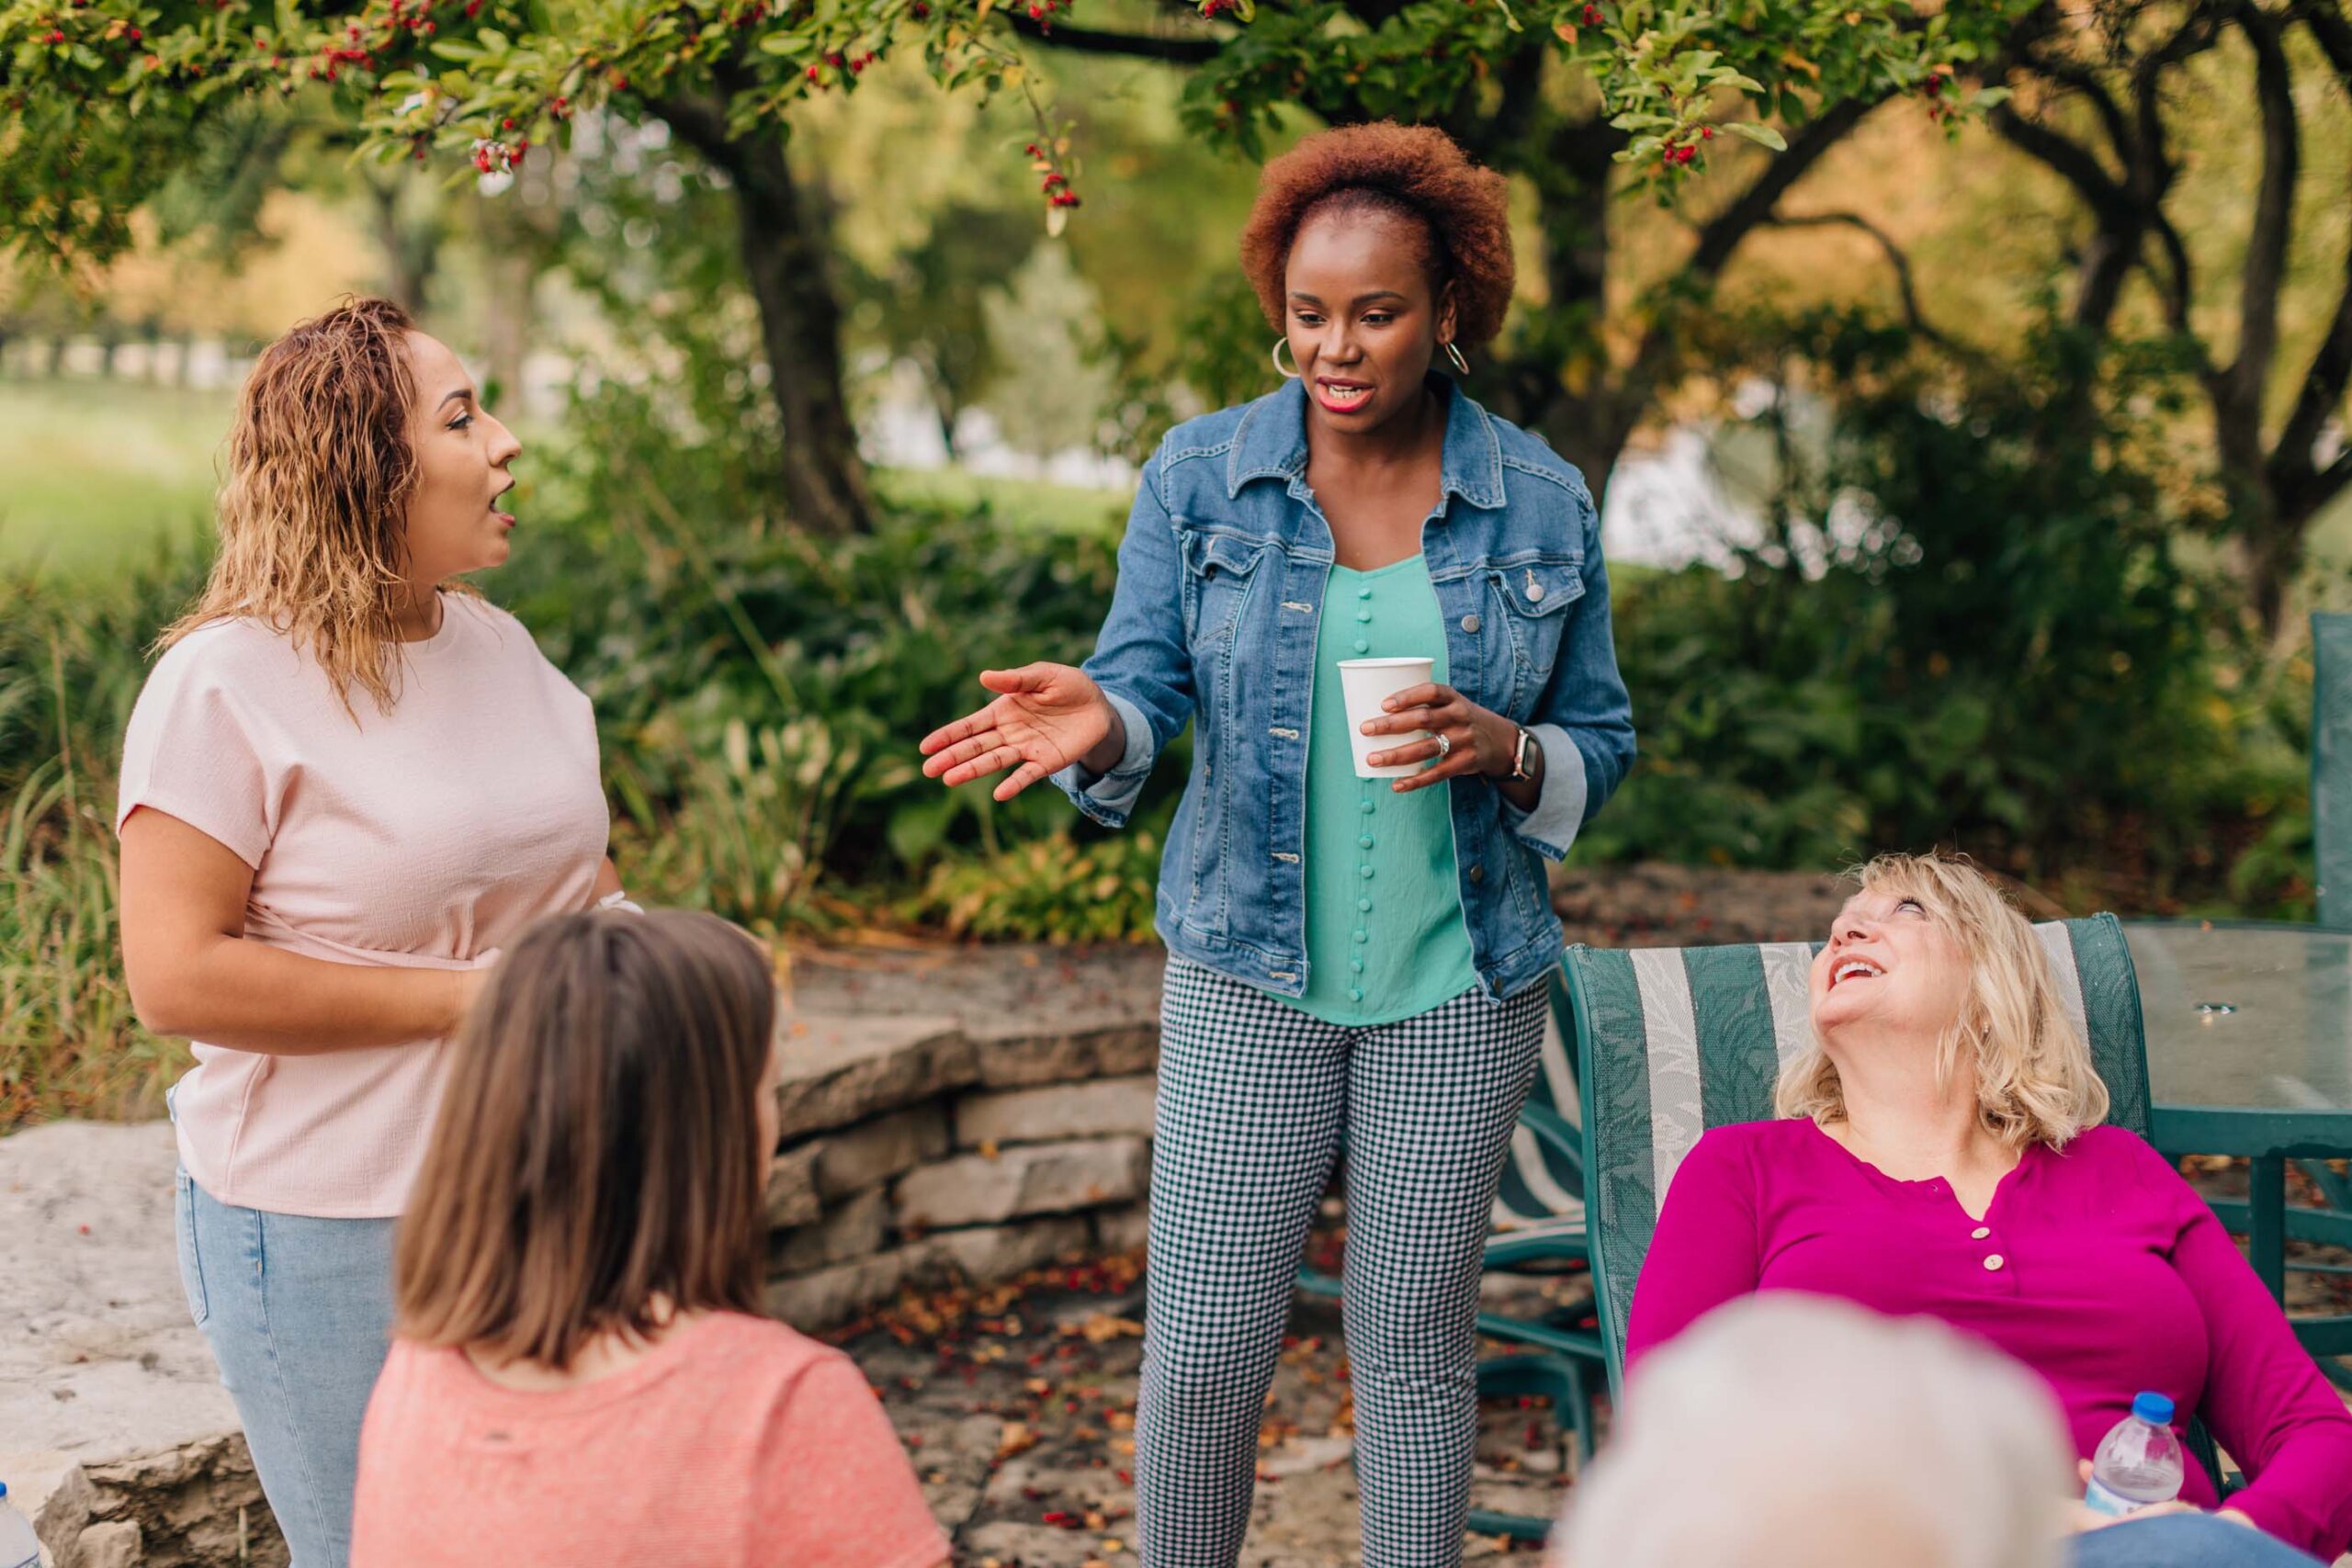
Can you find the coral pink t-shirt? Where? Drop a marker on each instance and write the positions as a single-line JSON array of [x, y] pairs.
[[735, 1442], [425, 838]]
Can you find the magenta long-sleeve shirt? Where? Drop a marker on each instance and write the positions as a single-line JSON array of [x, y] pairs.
[[2096, 1267]]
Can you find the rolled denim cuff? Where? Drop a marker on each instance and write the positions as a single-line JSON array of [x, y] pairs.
[[1108, 797], [1551, 827]]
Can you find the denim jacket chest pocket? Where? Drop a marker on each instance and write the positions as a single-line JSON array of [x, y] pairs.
[[1219, 571], [1532, 593]]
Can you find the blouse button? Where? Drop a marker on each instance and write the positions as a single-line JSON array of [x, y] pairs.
[[1356, 965], [1364, 592], [1361, 934], [1363, 906], [1363, 614], [1364, 842], [1366, 806], [1355, 993], [1362, 645], [1993, 1263], [1364, 872], [1980, 1233]]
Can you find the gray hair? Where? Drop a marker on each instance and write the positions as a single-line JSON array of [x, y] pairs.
[[1792, 1431]]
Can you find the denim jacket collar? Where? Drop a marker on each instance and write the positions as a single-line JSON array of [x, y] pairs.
[[1272, 444]]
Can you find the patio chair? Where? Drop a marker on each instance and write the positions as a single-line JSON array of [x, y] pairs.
[[2332, 816], [1673, 1040]]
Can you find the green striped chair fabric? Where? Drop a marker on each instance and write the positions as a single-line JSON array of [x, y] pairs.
[[1673, 1040], [1541, 1191]]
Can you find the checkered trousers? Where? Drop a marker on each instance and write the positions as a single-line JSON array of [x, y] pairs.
[[1254, 1096]]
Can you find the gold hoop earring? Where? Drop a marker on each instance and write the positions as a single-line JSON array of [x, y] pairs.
[[1453, 352], [1290, 373]]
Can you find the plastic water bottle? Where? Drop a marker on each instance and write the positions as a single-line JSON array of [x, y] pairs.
[[2138, 1463], [20, 1548]]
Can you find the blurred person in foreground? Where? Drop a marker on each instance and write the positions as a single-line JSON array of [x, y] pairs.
[[1940, 1153], [582, 1374], [1792, 1431]]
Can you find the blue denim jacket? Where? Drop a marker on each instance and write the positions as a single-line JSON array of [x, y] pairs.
[[1221, 584]]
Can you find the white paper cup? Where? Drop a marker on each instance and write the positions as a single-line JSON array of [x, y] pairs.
[[1369, 683]]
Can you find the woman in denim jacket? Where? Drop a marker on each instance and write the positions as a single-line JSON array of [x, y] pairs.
[[1357, 959]]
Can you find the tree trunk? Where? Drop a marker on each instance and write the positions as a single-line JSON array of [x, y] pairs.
[[800, 329]]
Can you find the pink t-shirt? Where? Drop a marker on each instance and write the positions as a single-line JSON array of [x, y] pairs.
[[735, 1442], [426, 838]]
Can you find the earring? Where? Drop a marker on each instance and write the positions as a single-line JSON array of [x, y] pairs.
[[1290, 373], [1453, 352]]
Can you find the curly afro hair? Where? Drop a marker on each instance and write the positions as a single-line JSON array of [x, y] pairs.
[[1414, 172]]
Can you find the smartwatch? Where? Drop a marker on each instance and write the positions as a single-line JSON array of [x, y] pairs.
[[1522, 755]]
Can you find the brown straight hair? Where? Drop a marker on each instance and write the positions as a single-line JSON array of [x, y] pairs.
[[598, 1152]]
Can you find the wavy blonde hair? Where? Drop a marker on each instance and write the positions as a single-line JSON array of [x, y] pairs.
[[2035, 1082], [312, 511]]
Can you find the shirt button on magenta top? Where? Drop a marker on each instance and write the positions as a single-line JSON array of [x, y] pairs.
[[1980, 1233]]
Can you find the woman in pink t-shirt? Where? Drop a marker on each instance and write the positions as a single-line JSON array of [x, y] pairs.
[[347, 782], [580, 1375]]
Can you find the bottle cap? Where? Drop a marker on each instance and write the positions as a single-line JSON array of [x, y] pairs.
[[2153, 1408]]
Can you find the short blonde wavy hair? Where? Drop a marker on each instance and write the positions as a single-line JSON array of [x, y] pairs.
[[312, 511], [2035, 1083]]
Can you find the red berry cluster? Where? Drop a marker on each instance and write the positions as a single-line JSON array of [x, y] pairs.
[[495, 157], [1592, 15], [1217, 8], [1042, 12], [1055, 185], [919, 10], [837, 61], [1939, 109], [756, 12]]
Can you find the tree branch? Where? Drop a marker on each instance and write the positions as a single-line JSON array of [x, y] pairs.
[[2274, 211], [2321, 391], [701, 124], [1721, 235], [2080, 79], [1894, 257], [2069, 160], [2317, 490], [1134, 46]]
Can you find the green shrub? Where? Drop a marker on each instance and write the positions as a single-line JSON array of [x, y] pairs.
[[1968, 622]]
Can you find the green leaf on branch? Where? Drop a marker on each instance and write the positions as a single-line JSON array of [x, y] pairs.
[[1761, 134]]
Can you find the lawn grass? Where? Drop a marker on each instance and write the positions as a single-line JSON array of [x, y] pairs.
[[90, 470]]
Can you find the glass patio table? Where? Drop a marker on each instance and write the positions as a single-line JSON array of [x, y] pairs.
[[2249, 1031]]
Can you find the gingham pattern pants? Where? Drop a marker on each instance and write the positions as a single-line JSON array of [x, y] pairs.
[[1253, 1097]]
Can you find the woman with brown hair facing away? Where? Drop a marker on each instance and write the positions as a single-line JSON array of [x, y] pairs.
[[580, 1374], [1349, 956], [347, 781]]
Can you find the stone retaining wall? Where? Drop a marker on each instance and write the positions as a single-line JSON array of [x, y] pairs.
[[920, 1148], [973, 1112]]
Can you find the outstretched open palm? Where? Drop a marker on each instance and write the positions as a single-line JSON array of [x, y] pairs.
[[1045, 717]]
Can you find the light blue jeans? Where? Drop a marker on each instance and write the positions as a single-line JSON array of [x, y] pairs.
[[299, 1312], [2182, 1541]]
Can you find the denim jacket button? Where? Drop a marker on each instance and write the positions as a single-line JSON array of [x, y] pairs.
[[1477, 873], [1470, 624]]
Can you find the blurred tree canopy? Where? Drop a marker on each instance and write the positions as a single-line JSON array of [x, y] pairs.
[[106, 100]]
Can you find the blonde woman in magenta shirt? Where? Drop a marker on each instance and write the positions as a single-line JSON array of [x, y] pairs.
[[1942, 1155], [582, 1374], [347, 783]]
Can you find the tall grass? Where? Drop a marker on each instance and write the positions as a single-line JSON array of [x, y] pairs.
[[71, 657]]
